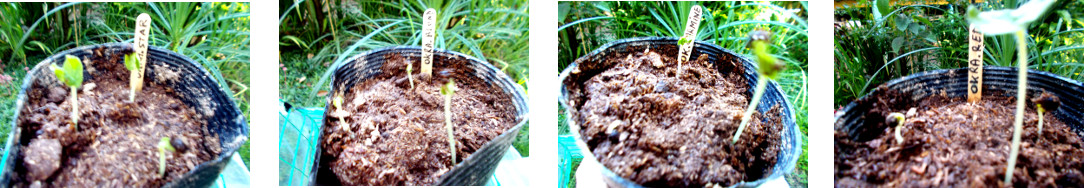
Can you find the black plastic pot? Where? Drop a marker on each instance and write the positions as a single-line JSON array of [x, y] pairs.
[[197, 88], [953, 84], [476, 169], [594, 63]]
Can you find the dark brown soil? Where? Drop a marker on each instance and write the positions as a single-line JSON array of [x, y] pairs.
[[649, 125], [950, 142], [396, 135], [115, 144]]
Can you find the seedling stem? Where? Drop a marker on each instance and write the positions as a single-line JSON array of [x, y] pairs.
[[1005, 22], [448, 90], [768, 68], [72, 76], [163, 146], [131, 62], [1021, 93], [1039, 107], [898, 117]]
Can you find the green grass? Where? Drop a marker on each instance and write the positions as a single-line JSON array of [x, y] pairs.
[[216, 35], [584, 26], [865, 57], [318, 34]]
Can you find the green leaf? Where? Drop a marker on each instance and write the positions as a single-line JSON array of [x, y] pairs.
[[131, 62], [902, 22], [896, 44], [1008, 20], [449, 88], [682, 41], [72, 72], [916, 28], [883, 7], [924, 20], [165, 145], [59, 73]]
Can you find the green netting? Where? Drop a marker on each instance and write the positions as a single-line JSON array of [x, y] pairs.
[[570, 159], [298, 131]]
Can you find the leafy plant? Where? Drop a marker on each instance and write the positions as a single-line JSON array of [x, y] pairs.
[[1005, 22], [72, 76], [448, 90], [131, 62], [163, 145], [768, 68]]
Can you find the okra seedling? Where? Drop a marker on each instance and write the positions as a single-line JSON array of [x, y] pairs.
[[896, 118], [163, 146], [338, 102], [1045, 102], [768, 68], [1012, 21], [72, 76], [683, 40], [448, 90], [410, 77], [132, 63]]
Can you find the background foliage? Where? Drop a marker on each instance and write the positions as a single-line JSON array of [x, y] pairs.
[[318, 34], [585, 26], [920, 36], [216, 35]]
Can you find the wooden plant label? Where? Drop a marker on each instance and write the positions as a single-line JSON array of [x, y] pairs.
[[142, 35], [428, 27], [974, 66], [691, 27]]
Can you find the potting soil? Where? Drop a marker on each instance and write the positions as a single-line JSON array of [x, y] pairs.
[[661, 125], [395, 135], [115, 143], [951, 142]]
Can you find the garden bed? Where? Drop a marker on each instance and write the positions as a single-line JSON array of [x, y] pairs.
[[115, 143], [397, 136], [951, 142], [659, 125]]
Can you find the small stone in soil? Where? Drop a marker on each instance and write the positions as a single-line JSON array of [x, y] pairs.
[[178, 144], [661, 87], [42, 158], [56, 95]]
